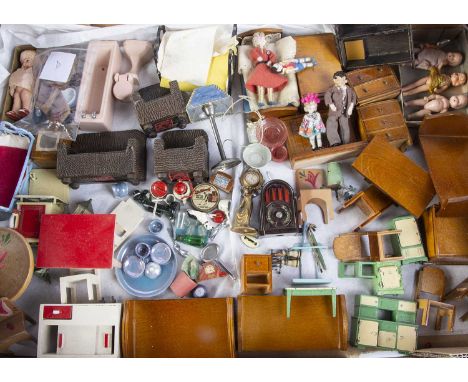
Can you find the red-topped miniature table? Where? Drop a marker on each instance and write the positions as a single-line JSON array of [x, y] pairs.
[[76, 241]]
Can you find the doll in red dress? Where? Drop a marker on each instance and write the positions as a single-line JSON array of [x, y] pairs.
[[262, 77]]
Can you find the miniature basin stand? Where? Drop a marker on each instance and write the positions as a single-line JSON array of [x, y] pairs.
[[325, 291]]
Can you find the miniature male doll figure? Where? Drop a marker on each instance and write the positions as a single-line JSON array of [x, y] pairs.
[[341, 100]]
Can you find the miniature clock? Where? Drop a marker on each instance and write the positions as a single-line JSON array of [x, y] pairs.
[[205, 197], [251, 181]]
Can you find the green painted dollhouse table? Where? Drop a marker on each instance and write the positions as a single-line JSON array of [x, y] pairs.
[[325, 291]]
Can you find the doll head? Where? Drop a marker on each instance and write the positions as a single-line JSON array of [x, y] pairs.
[[458, 79], [458, 101], [27, 58], [454, 58], [310, 101], [339, 78], [259, 40]]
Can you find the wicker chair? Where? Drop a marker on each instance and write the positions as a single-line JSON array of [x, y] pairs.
[[103, 157], [182, 152], [159, 109]]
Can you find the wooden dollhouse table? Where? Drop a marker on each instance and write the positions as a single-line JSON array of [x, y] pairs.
[[325, 291], [395, 175]]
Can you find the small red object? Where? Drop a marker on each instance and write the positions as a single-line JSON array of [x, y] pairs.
[[57, 312], [30, 220], [159, 189], [106, 340], [180, 188], [60, 340], [76, 241], [218, 216]]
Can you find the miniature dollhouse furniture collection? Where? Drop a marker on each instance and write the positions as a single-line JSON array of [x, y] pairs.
[[197, 205]]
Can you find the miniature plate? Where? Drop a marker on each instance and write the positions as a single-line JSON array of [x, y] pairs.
[[144, 286]]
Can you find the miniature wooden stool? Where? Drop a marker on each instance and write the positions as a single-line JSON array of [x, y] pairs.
[[325, 291]]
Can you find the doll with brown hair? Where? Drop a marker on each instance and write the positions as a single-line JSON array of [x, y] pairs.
[[434, 83], [262, 77], [436, 103], [21, 86]]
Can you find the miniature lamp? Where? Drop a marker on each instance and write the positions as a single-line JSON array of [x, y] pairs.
[[209, 102]]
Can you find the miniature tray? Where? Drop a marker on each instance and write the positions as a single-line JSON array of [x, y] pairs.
[[143, 286]]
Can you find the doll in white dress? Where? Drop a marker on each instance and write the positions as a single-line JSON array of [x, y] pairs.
[[312, 125]]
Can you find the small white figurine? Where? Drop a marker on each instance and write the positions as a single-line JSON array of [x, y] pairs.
[[312, 125]]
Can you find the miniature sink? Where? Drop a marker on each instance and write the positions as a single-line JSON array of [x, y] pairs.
[[144, 286]]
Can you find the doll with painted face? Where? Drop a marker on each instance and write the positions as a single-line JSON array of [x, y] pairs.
[[434, 83], [436, 103], [312, 125], [340, 100], [431, 56], [262, 79], [21, 86]]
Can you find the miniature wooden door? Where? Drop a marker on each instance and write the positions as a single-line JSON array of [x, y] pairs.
[[387, 339], [367, 333], [409, 239], [406, 338]]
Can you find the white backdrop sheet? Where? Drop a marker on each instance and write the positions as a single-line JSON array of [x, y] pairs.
[[232, 130]]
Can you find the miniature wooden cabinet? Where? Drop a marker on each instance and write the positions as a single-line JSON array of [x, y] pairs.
[[399, 331], [446, 241], [362, 45], [377, 83], [408, 242], [257, 274], [384, 118], [128, 215], [79, 330]]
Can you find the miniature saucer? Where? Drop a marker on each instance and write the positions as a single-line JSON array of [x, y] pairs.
[[256, 155]]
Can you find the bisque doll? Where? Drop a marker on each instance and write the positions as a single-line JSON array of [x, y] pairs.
[[312, 125]]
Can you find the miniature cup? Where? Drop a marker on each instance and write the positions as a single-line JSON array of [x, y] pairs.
[[182, 285], [155, 226], [133, 267], [161, 253], [152, 270], [256, 155], [142, 250], [279, 154], [120, 190], [272, 132]]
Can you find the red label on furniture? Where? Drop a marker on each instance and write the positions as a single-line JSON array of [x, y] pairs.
[[57, 312], [76, 241]]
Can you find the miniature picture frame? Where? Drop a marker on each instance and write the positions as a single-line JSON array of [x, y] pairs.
[[222, 181]]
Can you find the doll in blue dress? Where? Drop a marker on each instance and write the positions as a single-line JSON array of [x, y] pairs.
[[312, 125]]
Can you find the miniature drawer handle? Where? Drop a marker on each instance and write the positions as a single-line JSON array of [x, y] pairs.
[[385, 82], [106, 340], [364, 90], [379, 69], [60, 341]]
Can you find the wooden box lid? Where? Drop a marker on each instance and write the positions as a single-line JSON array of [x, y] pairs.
[[202, 327], [264, 327]]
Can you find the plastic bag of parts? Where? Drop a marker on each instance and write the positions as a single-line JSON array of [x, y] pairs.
[[57, 79]]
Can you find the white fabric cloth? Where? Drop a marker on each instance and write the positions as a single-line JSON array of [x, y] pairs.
[[185, 55]]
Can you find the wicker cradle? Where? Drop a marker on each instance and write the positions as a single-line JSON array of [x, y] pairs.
[[103, 157], [183, 151]]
